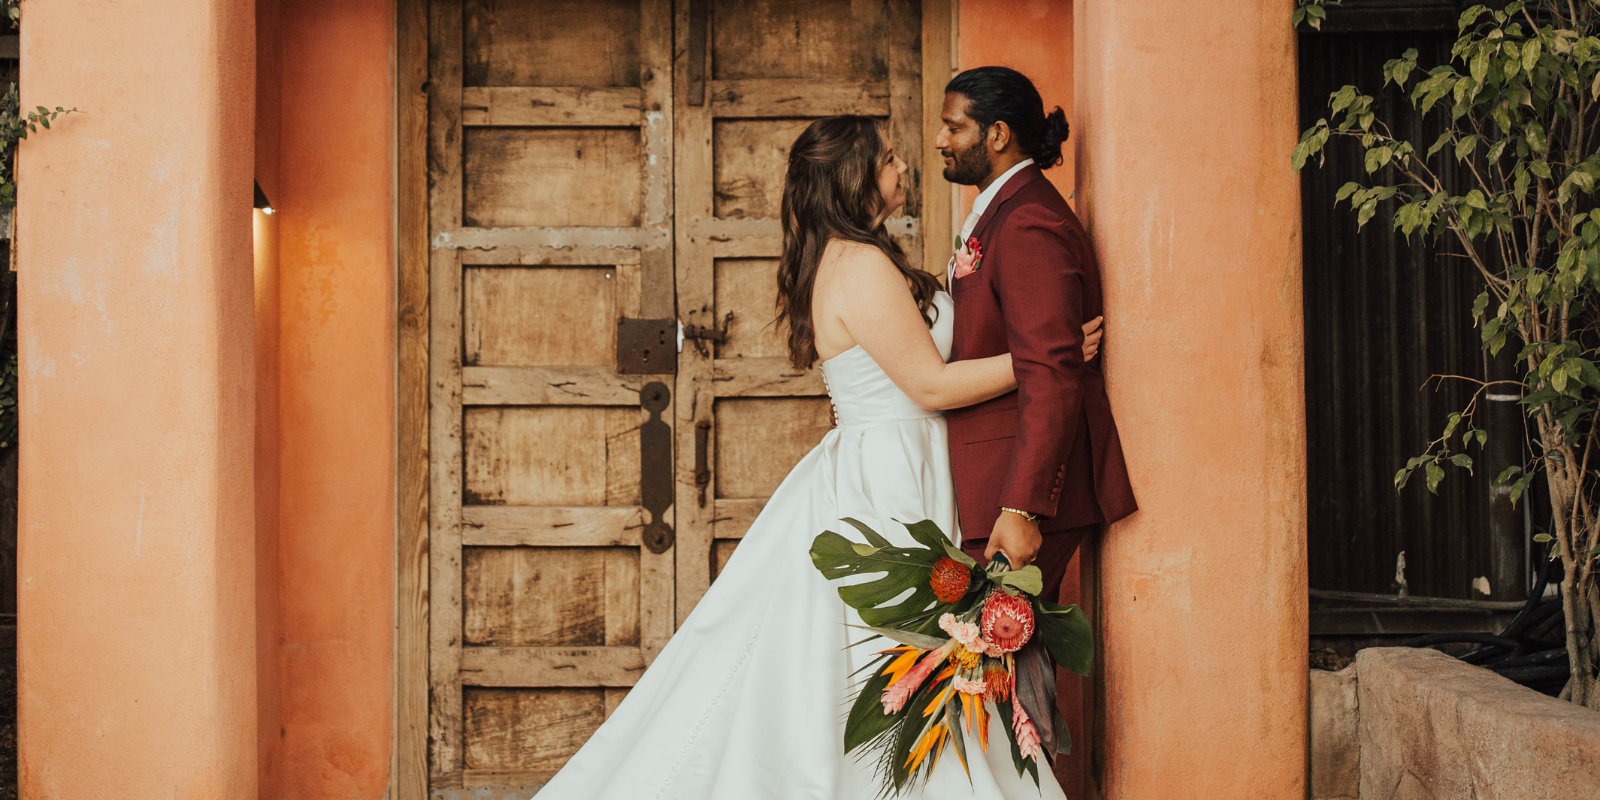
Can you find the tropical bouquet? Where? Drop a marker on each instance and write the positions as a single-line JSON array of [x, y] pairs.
[[970, 643]]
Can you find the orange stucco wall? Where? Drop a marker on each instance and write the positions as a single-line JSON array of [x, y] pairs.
[[268, 466], [336, 398], [136, 642], [1184, 179]]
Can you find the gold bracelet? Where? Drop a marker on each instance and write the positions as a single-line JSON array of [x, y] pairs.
[[1019, 512]]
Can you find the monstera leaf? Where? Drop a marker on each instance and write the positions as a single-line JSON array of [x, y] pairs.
[[1065, 630], [902, 567]]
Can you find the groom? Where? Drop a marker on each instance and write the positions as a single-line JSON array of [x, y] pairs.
[[1038, 470]]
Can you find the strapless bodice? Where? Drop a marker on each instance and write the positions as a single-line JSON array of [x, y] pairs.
[[861, 391]]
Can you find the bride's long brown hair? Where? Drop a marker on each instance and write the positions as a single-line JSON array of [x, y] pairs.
[[830, 191]]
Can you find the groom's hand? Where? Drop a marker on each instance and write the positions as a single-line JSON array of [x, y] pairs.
[[1017, 537]]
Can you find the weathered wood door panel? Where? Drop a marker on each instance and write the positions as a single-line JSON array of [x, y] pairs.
[[586, 166], [550, 163], [763, 71]]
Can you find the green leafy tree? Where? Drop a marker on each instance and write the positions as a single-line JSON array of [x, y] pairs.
[[1521, 97]]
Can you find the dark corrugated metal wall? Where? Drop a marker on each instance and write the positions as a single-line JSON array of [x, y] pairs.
[[1381, 317]]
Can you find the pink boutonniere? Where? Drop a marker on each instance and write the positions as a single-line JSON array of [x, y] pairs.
[[969, 257]]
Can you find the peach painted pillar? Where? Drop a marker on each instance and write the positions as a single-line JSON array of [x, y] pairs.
[[1186, 116], [336, 560], [136, 641]]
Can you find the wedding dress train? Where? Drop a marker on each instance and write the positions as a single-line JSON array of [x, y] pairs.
[[747, 701]]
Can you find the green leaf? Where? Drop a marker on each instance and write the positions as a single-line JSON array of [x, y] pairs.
[[1450, 426], [1439, 143], [867, 720], [1540, 168], [1479, 66], [928, 534], [1066, 634], [1029, 579], [921, 641], [1465, 146], [1368, 209], [1435, 474], [1342, 99], [1401, 477], [1467, 17], [1507, 474], [1534, 132], [953, 713], [1482, 436], [902, 568], [1519, 487], [1536, 399], [1345, 191], [1541, 538], [1530, 54], [1462, 460]]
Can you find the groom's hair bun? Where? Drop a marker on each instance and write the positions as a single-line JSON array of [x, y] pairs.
[[1002, 94]]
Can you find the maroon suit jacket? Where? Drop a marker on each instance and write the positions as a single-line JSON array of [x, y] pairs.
[[1050, 447]]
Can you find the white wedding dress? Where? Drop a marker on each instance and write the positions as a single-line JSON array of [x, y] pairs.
[[747, 701]]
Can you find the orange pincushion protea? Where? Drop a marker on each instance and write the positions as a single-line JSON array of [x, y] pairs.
[[950, 580], [999, 683], [1007, 621]]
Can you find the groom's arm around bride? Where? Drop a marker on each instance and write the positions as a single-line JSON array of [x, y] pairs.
[[1038, 470]]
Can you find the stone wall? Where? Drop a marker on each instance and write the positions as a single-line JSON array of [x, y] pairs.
[[1425, 726]]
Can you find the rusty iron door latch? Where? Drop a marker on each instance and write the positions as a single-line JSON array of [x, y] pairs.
[[655, 467]]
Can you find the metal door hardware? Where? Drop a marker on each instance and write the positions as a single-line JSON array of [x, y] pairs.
[[647, 346], [655, 467], [700, 334], [702, 470]]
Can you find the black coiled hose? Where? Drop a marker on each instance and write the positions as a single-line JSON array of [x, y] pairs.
[[1521, 652]]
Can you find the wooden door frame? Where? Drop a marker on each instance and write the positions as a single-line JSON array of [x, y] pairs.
[[409, 763]]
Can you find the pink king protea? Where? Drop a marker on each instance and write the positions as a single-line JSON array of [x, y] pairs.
[[1007, 621]]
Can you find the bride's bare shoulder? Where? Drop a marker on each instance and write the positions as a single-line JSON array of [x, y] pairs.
[[852, 264]]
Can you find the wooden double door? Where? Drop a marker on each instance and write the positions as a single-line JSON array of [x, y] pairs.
[[609, 404]]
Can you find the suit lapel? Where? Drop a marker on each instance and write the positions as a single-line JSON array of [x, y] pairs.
[[1028, 175]]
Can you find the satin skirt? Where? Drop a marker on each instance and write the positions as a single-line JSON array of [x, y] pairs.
[[748, 698]]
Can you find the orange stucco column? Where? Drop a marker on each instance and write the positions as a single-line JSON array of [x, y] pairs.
[[1186, 116], [136, 557], [336, 397]]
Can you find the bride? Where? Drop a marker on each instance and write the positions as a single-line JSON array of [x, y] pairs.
[[748, 698]]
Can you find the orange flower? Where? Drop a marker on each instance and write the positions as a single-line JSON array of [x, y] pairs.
[[999, 683], [950, 579]]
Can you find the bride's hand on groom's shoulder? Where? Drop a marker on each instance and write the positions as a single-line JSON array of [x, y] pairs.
[[1093, 330]]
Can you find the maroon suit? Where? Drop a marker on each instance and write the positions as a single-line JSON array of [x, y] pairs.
[[1050, 447]]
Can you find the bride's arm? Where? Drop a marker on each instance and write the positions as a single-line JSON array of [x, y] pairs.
[[877, 308]]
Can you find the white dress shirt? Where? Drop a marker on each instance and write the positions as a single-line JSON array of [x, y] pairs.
[[979, 206]]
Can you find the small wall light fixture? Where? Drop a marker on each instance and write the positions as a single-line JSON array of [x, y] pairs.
[[261, 200]]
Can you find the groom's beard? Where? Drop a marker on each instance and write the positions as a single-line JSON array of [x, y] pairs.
[[968, 167]]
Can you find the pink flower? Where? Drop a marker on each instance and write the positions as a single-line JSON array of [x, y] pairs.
[[964, 632], [965, 686], [969, 258], [895, 697], [1007, 621], [1027, 735]]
